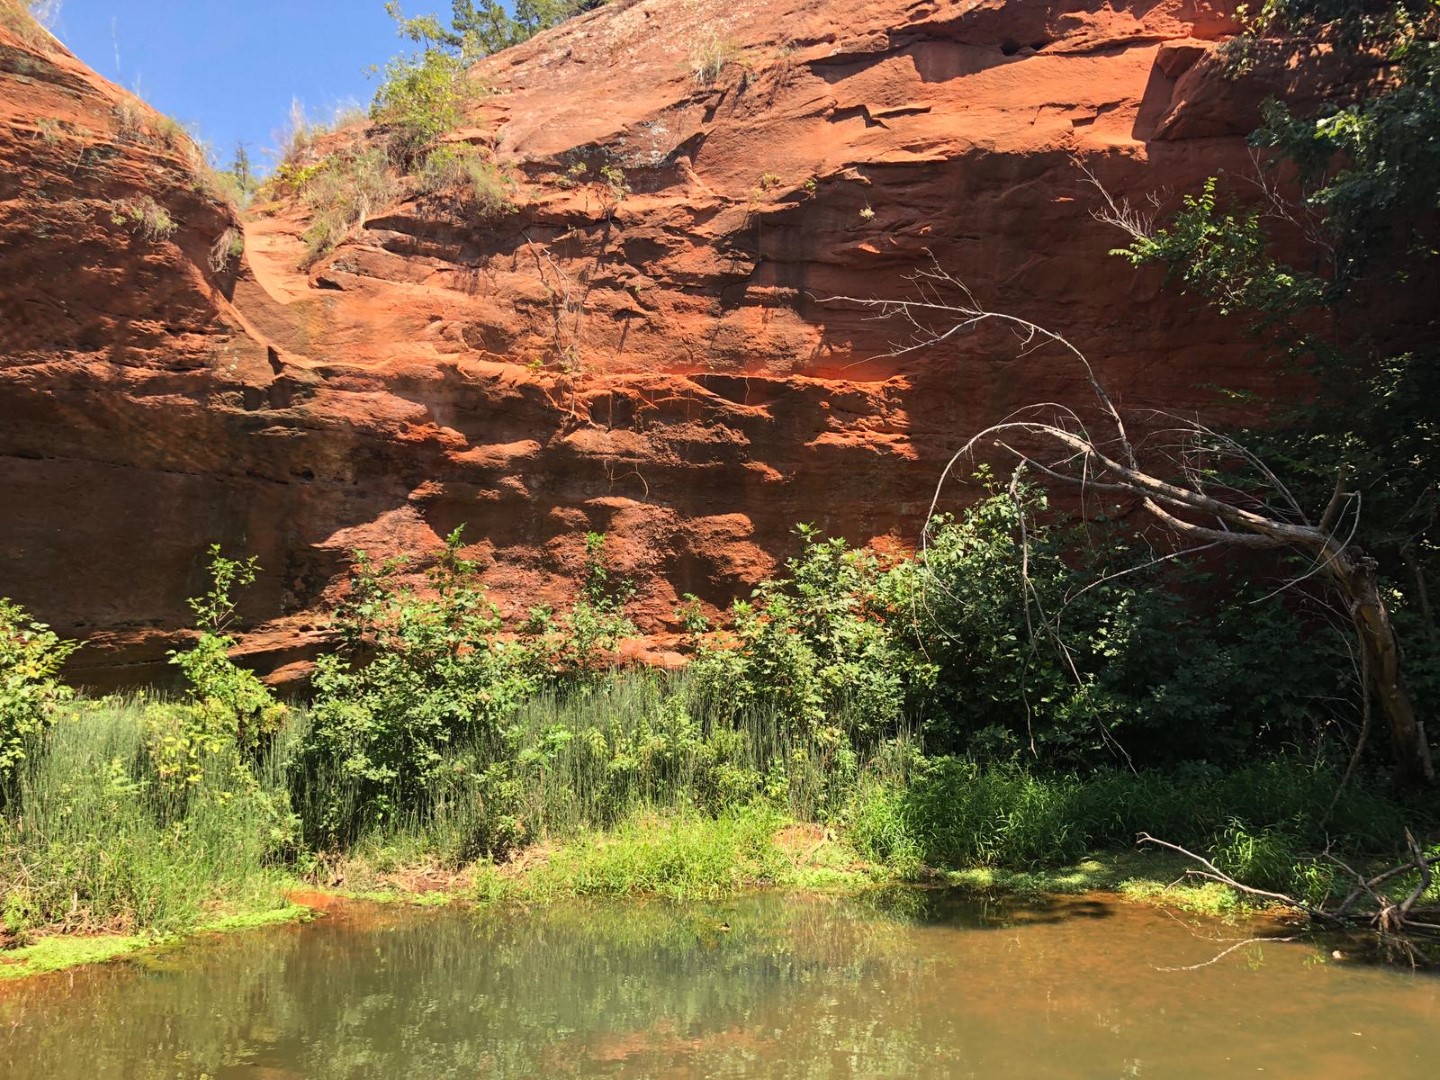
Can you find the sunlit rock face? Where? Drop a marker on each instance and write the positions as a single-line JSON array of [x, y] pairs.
[[648, 344]]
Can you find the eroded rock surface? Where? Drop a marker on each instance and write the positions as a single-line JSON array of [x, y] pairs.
[[657, 357]]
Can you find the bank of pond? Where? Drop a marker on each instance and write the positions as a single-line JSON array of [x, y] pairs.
[[823, 740], [622, 790]]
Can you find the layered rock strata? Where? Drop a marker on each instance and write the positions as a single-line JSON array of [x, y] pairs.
[[647, 344]]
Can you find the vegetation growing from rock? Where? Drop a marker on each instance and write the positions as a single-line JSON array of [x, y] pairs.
[[421, 98], [340, 192], [145, 217], [468, 176]]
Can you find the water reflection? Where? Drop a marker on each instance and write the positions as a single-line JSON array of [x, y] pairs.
[[913, 984]]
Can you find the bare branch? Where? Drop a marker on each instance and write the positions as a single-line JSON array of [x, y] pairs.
[[1214, 873], [1183, 488], [1134, 223]]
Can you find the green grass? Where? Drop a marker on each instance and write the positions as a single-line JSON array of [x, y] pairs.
[[683, 855], [93, 840], [60, 952], [1258, 821]]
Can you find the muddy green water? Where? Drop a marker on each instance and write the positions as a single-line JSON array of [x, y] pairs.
[[916, 986]]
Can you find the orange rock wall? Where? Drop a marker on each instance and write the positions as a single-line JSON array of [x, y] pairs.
[[664, 364]]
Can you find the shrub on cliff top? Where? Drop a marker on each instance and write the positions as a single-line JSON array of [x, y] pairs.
[[422, 97], [477, 30]]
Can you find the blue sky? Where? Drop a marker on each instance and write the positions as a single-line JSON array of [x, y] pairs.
[[231, 67]]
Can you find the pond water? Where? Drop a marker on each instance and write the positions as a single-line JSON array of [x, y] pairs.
[[917, 984]]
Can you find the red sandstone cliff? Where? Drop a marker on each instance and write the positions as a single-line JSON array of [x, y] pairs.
[[661, 367]]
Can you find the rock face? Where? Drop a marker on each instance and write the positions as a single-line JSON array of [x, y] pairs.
[[646, 345]]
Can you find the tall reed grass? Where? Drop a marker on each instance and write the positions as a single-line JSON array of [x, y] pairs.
[[93, 836]]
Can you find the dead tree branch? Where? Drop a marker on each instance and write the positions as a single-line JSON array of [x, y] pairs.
[[1203, 486]]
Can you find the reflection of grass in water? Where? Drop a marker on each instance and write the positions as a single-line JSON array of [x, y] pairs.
[[796, 986], [500, 992], [1147, 876]]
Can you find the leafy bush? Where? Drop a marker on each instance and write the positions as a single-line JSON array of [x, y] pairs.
[[228, 707], [818, 646], [138, 814], [96, 839], [682, 856], [421, 98], [1079, 649], [1255, 819], [416, 676], [31, 655], [579, 644], [1014, 633]]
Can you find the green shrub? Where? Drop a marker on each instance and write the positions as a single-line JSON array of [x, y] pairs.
[[1256, 819], [229, 708], [818, 647], [579, 644], [1078, 649], [683, 856], [421, 98], [31, 656], [1016, 634], [95, 839], [416, 676]]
